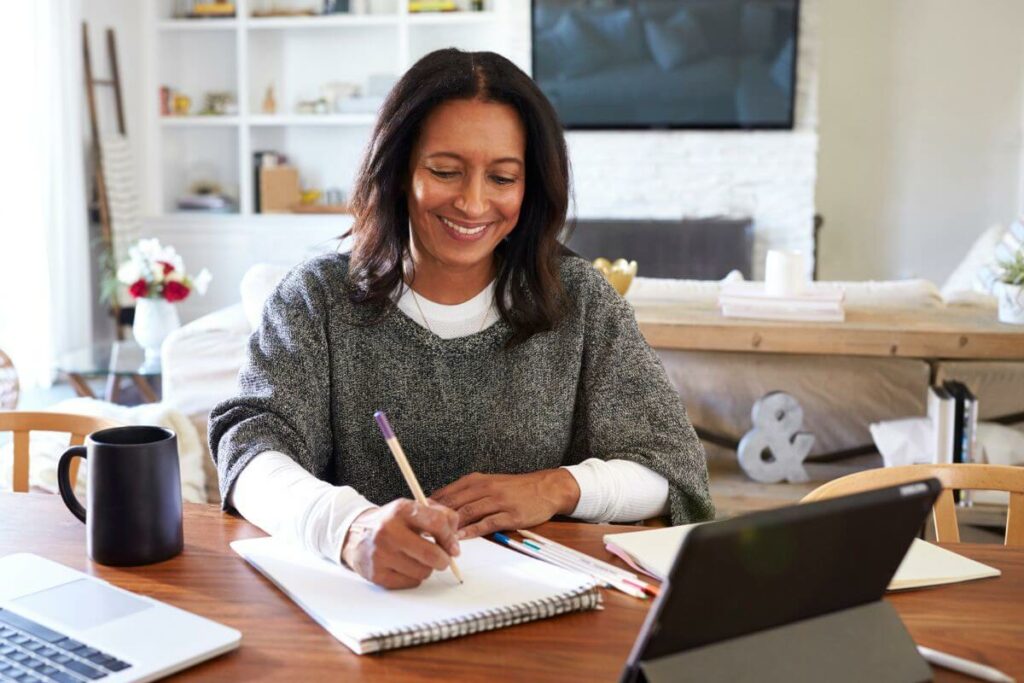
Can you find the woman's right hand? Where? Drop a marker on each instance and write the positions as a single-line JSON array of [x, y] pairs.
[[385, 545]]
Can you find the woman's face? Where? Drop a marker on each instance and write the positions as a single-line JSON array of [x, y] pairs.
[[467, 177]]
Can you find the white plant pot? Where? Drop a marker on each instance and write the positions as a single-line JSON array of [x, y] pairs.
[[154, 320], [1011, 302]]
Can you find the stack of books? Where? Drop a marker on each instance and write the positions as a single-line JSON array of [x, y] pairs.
[[953, 410], [750, 300]]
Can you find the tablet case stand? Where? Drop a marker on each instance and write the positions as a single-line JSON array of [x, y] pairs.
[[862, 643]]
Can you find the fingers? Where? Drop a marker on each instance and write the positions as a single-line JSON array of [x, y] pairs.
[[392, 580], [477, 510], [389, 549], [415, 548], [465, 490], [501, 521], [435, 520]]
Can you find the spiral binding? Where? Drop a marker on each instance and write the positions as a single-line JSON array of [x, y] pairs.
[[488, 620]]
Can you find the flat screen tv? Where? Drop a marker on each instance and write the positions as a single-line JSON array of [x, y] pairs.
[[667, 63]]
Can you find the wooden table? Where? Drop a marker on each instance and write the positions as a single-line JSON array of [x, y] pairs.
[[983, 620], [951, 332]]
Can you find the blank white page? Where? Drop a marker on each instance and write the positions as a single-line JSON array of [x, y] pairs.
[[926, 564], [654, 549], [353, 610]]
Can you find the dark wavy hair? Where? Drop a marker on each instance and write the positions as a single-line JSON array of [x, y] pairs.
[[529, 292]]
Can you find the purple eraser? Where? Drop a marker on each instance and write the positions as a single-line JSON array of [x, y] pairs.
[[385, 426]]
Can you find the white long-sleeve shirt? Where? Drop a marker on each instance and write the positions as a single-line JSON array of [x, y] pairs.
[[278, 495]]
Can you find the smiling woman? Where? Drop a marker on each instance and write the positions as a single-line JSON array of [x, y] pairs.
[[515, 377]]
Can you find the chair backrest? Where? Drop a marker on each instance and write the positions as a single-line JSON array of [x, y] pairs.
[[22, 423], [957, 476]]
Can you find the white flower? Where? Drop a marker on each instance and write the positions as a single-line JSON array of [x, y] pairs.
[[202, 281], [150, 250], [175, 276], [129, 272]]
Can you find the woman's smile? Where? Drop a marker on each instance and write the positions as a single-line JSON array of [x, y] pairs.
[[464, 232]]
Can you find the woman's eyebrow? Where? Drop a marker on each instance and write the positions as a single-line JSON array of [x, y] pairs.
[[453, 155]]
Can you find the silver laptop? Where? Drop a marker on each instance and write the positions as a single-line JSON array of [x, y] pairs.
[[58, 624]]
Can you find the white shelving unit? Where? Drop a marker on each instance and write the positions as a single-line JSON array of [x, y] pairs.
[[245, 54], [296, 56]]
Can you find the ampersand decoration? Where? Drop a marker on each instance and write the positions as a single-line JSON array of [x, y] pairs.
[[774, 450]]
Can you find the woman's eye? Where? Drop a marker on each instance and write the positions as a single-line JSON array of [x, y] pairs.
[[502, 180], [443, 175]]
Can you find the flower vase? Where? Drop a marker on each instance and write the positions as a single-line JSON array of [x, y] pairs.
[[1011, 302], [154, 320]]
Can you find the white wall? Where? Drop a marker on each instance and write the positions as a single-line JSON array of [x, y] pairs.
[[920, 133]]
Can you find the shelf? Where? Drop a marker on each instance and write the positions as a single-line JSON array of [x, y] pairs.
[[313, 120], [321, 22], [197, 24], [449, 18], [198, 121]]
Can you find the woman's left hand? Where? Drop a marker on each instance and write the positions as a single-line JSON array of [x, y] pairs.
[[496, 502]]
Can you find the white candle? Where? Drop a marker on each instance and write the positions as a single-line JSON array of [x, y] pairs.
[[785, 273]]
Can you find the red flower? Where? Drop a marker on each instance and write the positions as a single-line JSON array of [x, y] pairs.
[[138, 288], [168, 268], [175, 291]]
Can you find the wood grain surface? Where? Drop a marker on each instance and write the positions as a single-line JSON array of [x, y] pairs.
[[927, 333], [982, 620]]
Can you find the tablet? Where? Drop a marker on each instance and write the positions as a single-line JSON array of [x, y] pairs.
[[760, 571]]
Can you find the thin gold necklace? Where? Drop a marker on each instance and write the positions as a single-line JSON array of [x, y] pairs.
[[416, 300]]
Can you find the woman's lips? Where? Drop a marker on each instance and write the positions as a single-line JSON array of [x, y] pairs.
[[463, 232]]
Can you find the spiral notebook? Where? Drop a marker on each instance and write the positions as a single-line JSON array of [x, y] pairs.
[[502, 588]]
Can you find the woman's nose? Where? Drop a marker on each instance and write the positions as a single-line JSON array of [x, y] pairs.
[[471, 200]]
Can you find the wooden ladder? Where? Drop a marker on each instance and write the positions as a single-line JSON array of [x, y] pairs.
[[102, 201]]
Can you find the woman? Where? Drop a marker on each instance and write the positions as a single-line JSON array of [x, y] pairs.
[[514, 376]]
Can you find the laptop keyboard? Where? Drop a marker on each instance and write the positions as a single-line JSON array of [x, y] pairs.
[[33, 653]]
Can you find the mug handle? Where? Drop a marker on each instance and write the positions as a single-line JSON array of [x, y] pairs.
[[67, 491]]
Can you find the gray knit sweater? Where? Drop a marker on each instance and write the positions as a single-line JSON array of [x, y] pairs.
[[316, 371]]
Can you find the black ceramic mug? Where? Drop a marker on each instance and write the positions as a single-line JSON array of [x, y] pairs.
[[134, 495]]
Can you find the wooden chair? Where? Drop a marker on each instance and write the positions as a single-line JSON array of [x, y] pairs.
[[22, 423], [959, 476]]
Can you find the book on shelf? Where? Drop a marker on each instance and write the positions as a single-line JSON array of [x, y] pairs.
[[783, 313], [941, 412], [751, 300], [757, 291]]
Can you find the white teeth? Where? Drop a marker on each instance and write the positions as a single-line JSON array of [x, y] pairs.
[[461, 230]]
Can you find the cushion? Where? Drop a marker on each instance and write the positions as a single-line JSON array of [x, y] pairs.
[[654, 289], [623, 33], [574, 47], [257, 284], [981, 254], [1009, 244], [782, 68], [675, 42]]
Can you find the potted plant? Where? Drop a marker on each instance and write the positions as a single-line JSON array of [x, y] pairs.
[[1009, 289], [155, 277]]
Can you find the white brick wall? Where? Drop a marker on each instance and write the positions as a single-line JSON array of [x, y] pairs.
[[768, 175]]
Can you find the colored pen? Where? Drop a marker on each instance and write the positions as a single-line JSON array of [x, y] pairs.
[[585, 559], [965, 666], [403, 464], [592, 561], [604, 579], [612, 579]]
